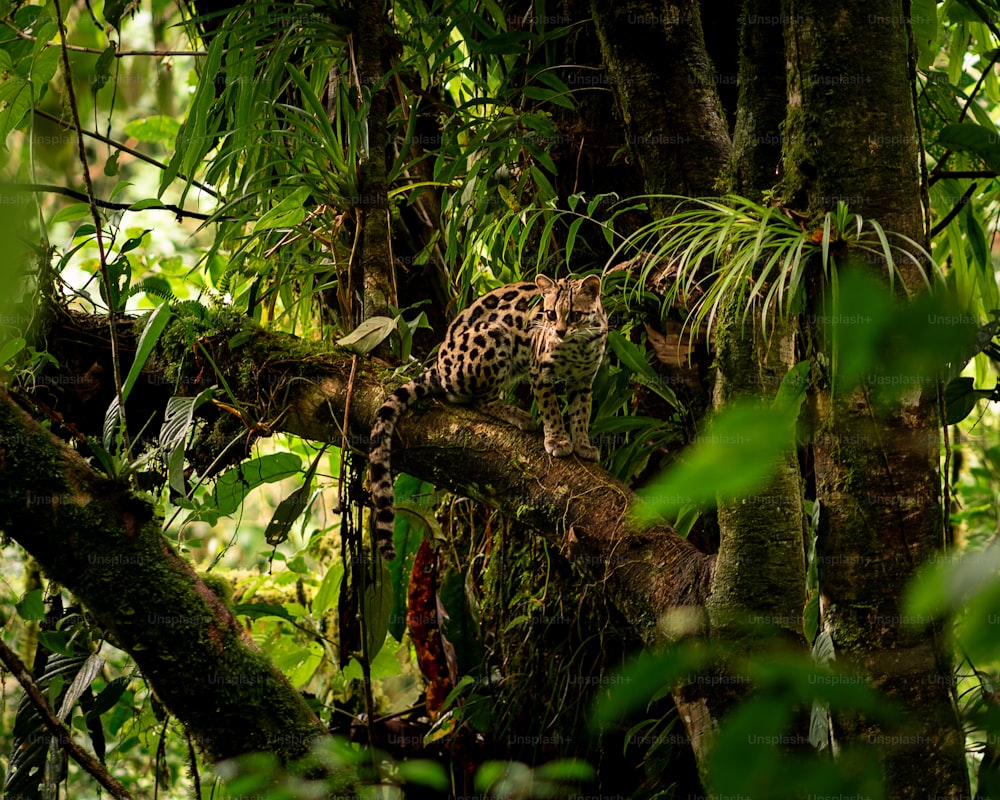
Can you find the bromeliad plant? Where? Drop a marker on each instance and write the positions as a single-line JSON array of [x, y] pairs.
[[735, 250]]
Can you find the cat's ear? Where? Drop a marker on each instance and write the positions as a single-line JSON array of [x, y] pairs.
[[544, 283], [591, 285]]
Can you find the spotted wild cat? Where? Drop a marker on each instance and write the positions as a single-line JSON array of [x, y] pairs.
[[503, 337]]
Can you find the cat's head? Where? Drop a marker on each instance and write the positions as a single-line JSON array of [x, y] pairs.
[[571, 306]]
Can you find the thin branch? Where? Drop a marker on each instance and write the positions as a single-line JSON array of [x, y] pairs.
[[119, 54], [967, 173], [105, 272], [963, 201], [56, 727], [179, 212], [123, 147]]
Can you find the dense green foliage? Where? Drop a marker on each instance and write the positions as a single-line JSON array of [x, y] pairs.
[[229, 175]]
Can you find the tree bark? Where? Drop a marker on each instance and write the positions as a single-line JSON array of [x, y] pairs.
[[374, 278], [850, 135], [756, 154], [759, 583], [666, 87], [760, 577]]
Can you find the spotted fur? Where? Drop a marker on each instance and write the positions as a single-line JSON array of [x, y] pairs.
[[502, 338]]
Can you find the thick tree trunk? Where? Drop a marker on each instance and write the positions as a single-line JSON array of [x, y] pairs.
[[372, 277], [850, 135], [761, 573], [759, 580], [761, 536], [666, 87], [756, 156]]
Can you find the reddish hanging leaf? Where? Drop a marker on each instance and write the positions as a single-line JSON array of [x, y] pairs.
[[422, 620]]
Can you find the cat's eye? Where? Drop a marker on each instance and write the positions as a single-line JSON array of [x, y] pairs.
[[575, 316], [551, 315]]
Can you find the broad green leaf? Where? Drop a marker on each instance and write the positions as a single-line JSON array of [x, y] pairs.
[[424, 772], [102, 69], [177, 417], [56, 641], [968, 588], [369, 334], [947, 585], [287, 512], [149, 202], [630, 355], [15, 101], [960, 397], [792, 390], [155, 323], [287, 214], [292, 507], [11, 349], [924, 22], [298, 662], [548, 95], [160, 129], [108, 697], [895, 347], [734, 456], [328, 589], [630, 688], [376, 608], [43, 68], [262, 610], [565, 770], [414, 520], [232, 487], [113, 10], [31, 607], [458, 625], [977, 238], [973, 138], [70, 213]]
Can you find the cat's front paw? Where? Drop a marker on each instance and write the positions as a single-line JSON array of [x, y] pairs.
[[586, 451], [558, 447]]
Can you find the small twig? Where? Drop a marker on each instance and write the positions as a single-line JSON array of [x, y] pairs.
[[343, 434], [179, 212], [62, 735], [964, 173], [123, 147], [963, 201], [76, 48], [116, 363]]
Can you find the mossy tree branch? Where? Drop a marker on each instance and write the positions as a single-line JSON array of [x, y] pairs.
[[302, 388], [105, 545]]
